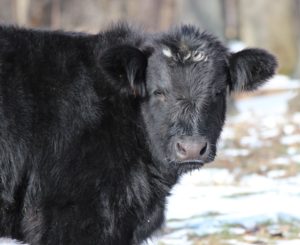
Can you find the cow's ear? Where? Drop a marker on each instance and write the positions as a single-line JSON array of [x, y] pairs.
[[251, 68], [125, 68]]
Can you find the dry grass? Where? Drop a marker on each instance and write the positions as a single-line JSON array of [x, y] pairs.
[[265, 233]]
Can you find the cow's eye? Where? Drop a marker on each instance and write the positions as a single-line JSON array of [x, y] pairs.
[[159, 92]]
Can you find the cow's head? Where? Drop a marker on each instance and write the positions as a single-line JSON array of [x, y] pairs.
[[183, 84]]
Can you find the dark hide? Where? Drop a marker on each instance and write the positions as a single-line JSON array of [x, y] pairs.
[[96, 129]]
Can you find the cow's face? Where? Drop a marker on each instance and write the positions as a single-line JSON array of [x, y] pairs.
[[185, 110], [187, 78]]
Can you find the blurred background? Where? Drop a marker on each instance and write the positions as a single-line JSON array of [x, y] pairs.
[[251, 193], [271, 24]]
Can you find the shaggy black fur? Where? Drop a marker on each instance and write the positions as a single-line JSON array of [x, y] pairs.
[[89, 126]]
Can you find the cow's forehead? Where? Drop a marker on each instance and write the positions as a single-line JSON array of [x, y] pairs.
[[195, 66], [193, 80], [183, 42], [187, 57]]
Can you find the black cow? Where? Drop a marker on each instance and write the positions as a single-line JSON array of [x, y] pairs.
[[95, 130]]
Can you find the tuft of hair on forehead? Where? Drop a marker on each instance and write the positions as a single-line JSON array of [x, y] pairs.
[[188, 43]]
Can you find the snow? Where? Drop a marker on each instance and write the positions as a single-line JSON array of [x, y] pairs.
[[296, 158], [292, 150], [8, 241], [276, 173], [236, 242], [289, 129], [290, 242], [281, 161], [286, 160], [236, 152], [198, 208], [264, 106], [236, 46], [270, 133], [233, 201], [291, 139], [281, 82], [296, 117]]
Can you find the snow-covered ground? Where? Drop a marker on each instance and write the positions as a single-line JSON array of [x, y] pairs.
[[8, 241], [237, 200]]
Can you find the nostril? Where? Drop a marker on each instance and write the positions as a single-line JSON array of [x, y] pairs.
[[180, 149], [203, 150]]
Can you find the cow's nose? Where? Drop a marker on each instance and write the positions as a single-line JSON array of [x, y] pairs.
[[191, 149]]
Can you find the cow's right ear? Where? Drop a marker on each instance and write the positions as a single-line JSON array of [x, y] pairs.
[[250, 68], [125, 68]]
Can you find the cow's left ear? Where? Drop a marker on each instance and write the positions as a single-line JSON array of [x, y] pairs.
[[251, 68], [124, 67]]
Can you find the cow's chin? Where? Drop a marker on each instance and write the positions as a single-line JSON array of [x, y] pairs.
[[186, 166]]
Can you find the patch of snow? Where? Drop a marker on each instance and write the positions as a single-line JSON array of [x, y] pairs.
[[236, 46], [251, 141], [228, 133], [202, 209], [176, 238], [274, 230], [236, 152], [292, 150], [281, 82], [291, 139], [293, 180], [253, 239], [236, 242], [296, 158], [9, 241], [289, 129], [269, 133], [257, 181], [276, 173], [253, 132], [237, 230], [281, 161], [263, 168], [257, 199], [288, 242], [208, 177], [296, 117], [270, 105], [273, 121]]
